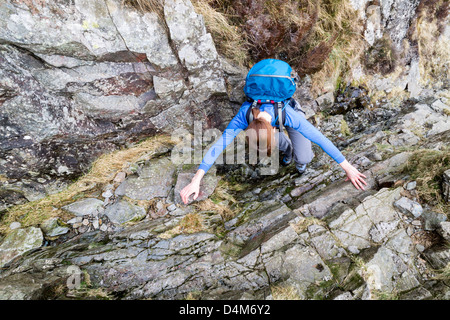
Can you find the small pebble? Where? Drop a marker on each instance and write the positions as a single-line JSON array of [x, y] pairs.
[[257, 191], [411, 185], [107, 194], [120, 177], [83, 229], [172, 207], [14, 225], [85, 222]]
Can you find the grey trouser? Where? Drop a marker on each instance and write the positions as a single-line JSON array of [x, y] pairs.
[[298, 146]]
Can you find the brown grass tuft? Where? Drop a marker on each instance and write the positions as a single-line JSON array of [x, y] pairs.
[[190, 223], [427, 168], [103, 171], [284, 292]]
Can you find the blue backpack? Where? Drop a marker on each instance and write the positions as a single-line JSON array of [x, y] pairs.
[[270, 81]]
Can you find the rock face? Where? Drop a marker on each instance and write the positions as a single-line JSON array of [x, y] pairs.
[[325, 241], [446, 185], [81, 78], [77, 80], [18, 242]]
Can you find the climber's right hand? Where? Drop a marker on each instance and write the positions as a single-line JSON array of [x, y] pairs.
[[191, 188]]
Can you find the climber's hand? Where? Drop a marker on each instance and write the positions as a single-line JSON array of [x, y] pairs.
[[191, 188], [354, 175]]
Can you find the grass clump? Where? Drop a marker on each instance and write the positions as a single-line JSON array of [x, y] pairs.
[[345, 130], [321, 38], [443, 274], [102, 172], [433, 47], [284, 292], [190, 223], [303, 224], [218, 207], [426, 167], [230, 42], [156, 6]]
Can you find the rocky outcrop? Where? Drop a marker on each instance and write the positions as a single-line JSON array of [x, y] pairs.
[[314, 234], [76, 80], [82, 78]]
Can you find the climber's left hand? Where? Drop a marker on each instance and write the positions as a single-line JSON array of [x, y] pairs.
[[354, 175]]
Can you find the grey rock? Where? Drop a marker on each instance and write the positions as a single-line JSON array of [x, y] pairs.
[[411, 185], [344, 296], [380, 231], [154, 180], [396, 17], [438, 256], [87, 40], [267, 216], [14, 225], [444, 230], [432, 220], [54, 227], [172, 207], [195, 48], [18, 242], [414, 86], [408, 206], [207, 186], [303, 267], [373, 29], [278, 241], [326, 100], [446, 185], [88, 206], [440, 106], [75, 220], [77, 73], [122, 211], [417, 294]]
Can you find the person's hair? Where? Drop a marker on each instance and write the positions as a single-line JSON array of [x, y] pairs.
[[260, 134]]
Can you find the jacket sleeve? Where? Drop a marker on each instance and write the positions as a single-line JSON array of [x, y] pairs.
[[299, 123], [236, 125]]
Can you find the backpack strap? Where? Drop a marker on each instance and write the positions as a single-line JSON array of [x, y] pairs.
[[249, 114], [279, 111]]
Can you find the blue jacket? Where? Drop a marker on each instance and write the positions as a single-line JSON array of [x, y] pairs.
[[293, 120]]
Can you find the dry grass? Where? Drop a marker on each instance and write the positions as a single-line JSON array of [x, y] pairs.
[[228, 38], [443, 274], [434, 52], [156, 6], [303, 224], [284, 292], [338, 16], [102, 171], [322, 38], [427, 168], [190, 223], [345, 130], [209, 205]]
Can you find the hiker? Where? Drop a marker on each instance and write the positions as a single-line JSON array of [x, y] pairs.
[[269, 87]]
